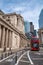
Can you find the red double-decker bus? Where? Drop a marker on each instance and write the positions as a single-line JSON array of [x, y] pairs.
[[34, 44]]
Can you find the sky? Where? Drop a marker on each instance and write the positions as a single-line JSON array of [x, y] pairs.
[[29, 9]]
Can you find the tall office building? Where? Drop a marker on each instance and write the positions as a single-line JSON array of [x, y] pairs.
[[31, 27], [27, 27], [35, 33], [41, 19]]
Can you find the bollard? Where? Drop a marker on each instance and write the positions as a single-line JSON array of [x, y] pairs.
[[11, 52], [16, 58], [8, 53], [5, 54], [2, 56]]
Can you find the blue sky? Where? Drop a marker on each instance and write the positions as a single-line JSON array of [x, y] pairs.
[[29, 9]]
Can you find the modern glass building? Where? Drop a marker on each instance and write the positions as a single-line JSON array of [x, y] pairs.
[[27, 27], [41, 19], [35, 33]]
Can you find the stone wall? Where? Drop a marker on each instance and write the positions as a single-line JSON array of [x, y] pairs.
[[24, 41], [40, 33], [15, 40]]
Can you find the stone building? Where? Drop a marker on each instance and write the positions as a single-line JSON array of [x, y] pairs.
[[12, 33], [40, 33], [31, 27]]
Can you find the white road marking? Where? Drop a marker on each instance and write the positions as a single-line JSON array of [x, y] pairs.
[[24, 61], [25, 57], [6, 58], [20, 58], [37, 58], [37, 53], [9, 60], [29, 58]]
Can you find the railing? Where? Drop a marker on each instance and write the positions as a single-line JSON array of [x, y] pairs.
[[10, 58]]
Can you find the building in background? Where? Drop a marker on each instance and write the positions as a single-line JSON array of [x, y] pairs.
[[40, 31], [31, 28], [35, 33], [41, 20], [27, 29]]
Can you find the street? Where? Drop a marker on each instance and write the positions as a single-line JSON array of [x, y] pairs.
[[37, 57], [27, 58], [32, 58]]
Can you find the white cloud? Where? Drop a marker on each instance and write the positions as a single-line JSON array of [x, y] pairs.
[[20, 8], [14, 8]]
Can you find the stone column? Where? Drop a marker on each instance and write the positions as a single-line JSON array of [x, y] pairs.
[[3, 37], [6, 37], [0, 35], [10, 39]]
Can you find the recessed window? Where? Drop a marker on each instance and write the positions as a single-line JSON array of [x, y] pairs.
[[3, 17]]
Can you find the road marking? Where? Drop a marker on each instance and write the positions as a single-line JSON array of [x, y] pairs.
[[29, 58], [37, 53], [25, 57], [24, 61], [37, 58], [20, 58], [6, 58], [9, 60]]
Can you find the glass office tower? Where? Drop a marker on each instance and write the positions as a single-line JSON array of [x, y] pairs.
[[41, 19], [27, 27]]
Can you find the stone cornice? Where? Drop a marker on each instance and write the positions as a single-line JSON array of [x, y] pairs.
[[10, 14]]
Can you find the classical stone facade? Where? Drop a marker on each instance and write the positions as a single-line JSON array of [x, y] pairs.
[[40, 32], [12, 33]]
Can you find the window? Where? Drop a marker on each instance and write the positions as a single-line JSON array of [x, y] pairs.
[[17, 21]]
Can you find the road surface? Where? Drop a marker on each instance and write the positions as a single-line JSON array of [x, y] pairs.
[[37, 57], [27, 58]]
